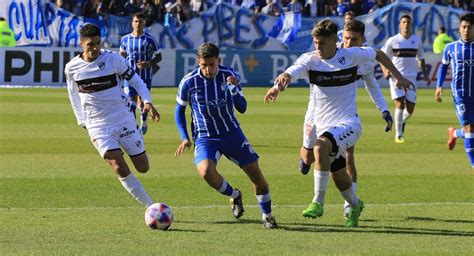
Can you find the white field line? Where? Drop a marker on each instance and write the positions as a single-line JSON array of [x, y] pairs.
[[247, 206]]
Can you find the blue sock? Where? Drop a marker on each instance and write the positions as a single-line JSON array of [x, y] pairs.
[[265, 202], [469, 146], [227, 189], [459, 133]]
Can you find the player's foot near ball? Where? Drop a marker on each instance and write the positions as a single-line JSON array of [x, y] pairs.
[[270, 223], [452, 138], [237, 206]]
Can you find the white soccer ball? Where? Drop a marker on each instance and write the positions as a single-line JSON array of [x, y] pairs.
[[159, 216]]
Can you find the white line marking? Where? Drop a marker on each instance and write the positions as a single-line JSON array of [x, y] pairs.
[[227, 206]]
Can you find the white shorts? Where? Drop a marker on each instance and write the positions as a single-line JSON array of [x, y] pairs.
[[309, 131], [126, 136], [345, 136], [396, 92]]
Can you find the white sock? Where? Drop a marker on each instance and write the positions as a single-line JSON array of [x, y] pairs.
[[136, 190], [398, 122], [321, 180], [350, 197], [354, 190], [406, 115]]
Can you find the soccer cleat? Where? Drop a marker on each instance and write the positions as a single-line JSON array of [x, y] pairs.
[[304, 168], [313, 211], [399, 140], [354, 214], [144, 128], [452, 138], [237, 206], [270, 223]]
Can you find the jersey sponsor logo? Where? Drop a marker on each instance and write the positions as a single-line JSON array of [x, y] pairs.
[[465, 62], [333, 78], [217, 103], [405, 53], [96, 84]]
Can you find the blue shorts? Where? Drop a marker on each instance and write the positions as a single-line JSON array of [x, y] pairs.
[[234, 146], [464, 110], [130, 91]]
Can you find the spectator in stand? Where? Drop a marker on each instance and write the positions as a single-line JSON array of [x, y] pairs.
[[160, 11], [249, 4], [311, 8], [272, 8], [117, 7], [330, 8], [441, 41], [7, 37], [63, 4], [294, 6], [197, 6], [341, 8], [379, 4], [183, 11], [148, 8], [356, 7], [132, 6]]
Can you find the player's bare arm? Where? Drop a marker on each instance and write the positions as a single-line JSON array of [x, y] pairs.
[[185, 144], [281, 82], [438, 94], [426, 76], [149, 108], [383, 59]]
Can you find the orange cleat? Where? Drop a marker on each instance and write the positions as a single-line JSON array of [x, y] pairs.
[[452, 138]]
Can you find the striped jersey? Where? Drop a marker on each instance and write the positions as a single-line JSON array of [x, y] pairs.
[[212, 106], [404, 53], [140, 48], [334, 84], [460, 55], [95, 89]]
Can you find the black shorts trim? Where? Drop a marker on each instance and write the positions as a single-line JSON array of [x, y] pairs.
[[338, 164], [330, 137], [138, 154]]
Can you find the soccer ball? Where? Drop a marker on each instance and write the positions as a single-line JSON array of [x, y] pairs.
[[159, 216]]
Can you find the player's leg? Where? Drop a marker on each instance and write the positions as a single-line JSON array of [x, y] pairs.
[[206, 157], [144, 116], [398, 97], [344, 184], [309, 140], [262, 192], [325, 145], [127, 136], [410, 101], [454, 134], [469, 144], [352, 172]]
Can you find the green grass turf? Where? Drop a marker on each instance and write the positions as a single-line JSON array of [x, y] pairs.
[[57, 196]]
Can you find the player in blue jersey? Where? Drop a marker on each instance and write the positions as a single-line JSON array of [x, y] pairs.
[[213, 90], [460, 55], [142, 52]]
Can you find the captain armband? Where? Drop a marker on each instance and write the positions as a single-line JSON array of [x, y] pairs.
[[128, 74]]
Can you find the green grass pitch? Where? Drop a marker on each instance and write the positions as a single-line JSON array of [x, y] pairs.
[[57, 196]]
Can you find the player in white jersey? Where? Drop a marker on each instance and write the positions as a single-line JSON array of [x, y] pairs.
[[94, 80], [333, 74], [406, 51], [353, 36]]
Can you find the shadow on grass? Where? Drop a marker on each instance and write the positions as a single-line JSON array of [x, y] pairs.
[[438, 220], [324, 228], [227, 222], [185, 230]]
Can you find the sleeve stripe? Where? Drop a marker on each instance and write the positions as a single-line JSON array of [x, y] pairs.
[[181, 102]]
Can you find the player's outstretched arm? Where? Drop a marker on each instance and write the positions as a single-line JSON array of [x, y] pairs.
[[443, 70], [240, 103], [383, 59], [154, 114], [180, 119], [281, 83], [185, 144]]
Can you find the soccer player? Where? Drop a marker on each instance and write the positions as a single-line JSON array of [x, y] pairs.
[[348, 16], [94, 83], [460, 54], [353, 36], [333, 74], [142, 52], [213, 90], [402, 49]]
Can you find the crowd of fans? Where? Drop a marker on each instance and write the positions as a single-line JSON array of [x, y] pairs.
[[183, 10]]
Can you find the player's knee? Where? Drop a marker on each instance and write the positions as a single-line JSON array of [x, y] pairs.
[[142, 167]]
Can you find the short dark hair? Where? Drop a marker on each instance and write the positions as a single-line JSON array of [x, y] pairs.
[[89, 30], [139, 15], [406, 16], [356, 26], [325, 28], [442, 30], [467, 17], [349, 13], [2, 19], [208, 50]]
